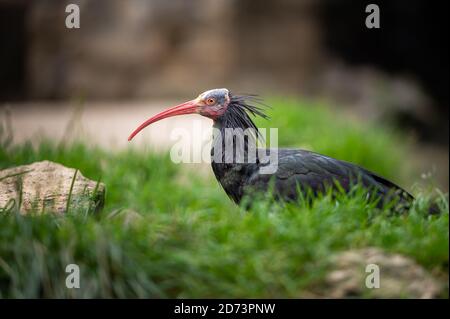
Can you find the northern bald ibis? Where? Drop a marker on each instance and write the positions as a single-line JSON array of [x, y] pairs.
[[296, 170]]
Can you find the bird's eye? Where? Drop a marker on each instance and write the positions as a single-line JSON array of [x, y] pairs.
[[210, 101]]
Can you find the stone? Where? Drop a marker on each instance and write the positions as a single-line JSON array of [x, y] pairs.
[[399, 276], [44, 187]]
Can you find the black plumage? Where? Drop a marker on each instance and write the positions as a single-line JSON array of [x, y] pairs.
[[298, 170]]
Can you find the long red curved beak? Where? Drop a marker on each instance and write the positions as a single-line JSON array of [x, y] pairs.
[[189, 107]]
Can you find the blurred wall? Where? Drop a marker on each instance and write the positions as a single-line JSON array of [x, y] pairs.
[[158, 48], [144, 48]]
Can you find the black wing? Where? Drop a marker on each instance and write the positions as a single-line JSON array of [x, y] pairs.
[[314, 171]]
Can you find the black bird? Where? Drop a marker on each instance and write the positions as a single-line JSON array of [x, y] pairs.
[[295, 170]]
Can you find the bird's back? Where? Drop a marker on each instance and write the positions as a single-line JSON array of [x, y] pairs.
[[306, 171]]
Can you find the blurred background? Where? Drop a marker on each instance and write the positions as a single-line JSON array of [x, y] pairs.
[[130, 56]]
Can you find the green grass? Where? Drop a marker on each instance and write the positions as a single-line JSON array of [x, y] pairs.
[[192, 241]]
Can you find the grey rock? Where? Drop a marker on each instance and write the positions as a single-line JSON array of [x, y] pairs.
[[400, 276], [43, 187]]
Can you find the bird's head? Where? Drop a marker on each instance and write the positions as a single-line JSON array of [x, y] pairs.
[[212, 104]]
